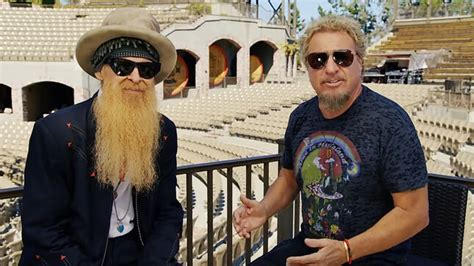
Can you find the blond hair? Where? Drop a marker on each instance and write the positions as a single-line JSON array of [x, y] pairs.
[[128, 130], [333, 23]]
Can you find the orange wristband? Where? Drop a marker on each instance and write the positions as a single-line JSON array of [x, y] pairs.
[[348, 251]]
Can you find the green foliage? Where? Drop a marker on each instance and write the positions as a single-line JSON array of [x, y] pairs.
[[437, 3], [290, 48], [367, 16], [300, 23], [199, 9], [375, 16], [456, 7]]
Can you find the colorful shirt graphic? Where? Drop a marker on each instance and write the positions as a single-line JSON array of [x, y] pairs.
[[326, 161], [347, 167]]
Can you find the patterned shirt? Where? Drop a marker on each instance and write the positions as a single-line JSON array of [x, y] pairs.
[[347, 167]]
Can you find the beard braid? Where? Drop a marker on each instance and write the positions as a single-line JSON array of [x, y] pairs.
[[127, 135]]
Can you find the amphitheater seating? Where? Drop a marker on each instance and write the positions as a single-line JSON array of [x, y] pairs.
[[51, 34], [451, 141], [4, 260], [455, 36], [3, 250], [468, 245], [269, 127], [410, 97], [15, 258], [230, 105], [430, 147], [220, 251], [436, 135], [438, 168], [458, 126], [14, 138], [463, 164]]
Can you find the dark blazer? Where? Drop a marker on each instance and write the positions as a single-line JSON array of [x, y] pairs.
[[66, 212]]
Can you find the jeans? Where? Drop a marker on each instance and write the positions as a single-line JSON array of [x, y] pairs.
[[123, 250], [287, 248], [296, 247]]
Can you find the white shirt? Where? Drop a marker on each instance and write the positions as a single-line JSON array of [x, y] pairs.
[[122, 202]]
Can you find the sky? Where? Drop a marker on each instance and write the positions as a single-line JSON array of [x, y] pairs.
[[308, 8]]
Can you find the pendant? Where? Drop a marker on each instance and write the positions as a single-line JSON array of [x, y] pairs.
[[120, 228]]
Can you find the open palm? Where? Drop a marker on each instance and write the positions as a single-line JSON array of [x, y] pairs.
[[251, 215]]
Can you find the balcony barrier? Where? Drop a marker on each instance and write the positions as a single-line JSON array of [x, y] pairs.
[[442, 240]]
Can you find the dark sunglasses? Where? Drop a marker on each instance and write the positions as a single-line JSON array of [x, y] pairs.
[[343, 58], [123, 67]]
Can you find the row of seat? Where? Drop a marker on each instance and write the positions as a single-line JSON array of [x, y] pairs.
[[438, 168], [220, 251], [67, 25], [430, 146], [50, 56], [463, 163], [10, 236], [451, 141], [461, 126], [455, 35], [232, 105]]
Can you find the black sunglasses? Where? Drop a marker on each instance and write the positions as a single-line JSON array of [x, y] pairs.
[[343, 58], [123, 67]]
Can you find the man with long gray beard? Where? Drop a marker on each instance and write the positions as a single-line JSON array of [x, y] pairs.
[[100, 177]]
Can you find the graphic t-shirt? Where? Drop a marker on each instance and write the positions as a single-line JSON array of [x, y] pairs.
[[347, 167]]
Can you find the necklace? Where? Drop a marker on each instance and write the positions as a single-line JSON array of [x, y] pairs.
[[120, 227]]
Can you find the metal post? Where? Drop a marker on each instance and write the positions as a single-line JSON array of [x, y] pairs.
[[266, 178], [248, 194], [282, 13], [285, 216], [229, 214], [189, 219], [210, 218], [257, 6], [288, 22]]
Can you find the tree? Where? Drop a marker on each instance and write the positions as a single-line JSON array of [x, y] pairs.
[[290, 49], [373, 15], [300, 23]]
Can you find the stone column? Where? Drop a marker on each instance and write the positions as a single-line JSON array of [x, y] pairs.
[[202, 74], [243, 66], [17, 102]]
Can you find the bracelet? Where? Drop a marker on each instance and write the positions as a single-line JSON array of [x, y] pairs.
[[348, 251]]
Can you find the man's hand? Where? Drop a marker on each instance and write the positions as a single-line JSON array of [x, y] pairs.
[[249, 216], [331, 252]]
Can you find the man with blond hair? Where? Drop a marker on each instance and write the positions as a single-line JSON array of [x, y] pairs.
[[100, 177], [356, 159]]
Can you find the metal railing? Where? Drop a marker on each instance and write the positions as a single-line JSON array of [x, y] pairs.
[[417, 10], [225, 168], [459, 95], [288, 219]]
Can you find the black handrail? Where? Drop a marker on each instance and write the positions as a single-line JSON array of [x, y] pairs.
[[14, 192], [225, 168]]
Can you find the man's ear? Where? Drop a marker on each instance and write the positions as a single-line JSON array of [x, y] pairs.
[[98, 75]]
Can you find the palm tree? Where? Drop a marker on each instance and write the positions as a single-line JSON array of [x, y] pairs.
[[290, 49]]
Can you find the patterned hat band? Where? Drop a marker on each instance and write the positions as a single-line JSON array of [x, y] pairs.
[[124, 47]]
